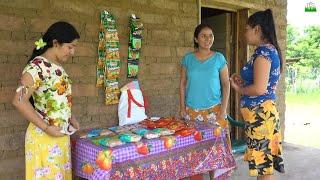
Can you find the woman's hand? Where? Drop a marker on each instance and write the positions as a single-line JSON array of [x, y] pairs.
[[53, 131], [237, 79], [236, 82], [222, 119], [183, 113], [74, 123], [222, 114]]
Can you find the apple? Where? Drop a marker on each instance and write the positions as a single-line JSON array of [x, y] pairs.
[[87, 168], [198, 136], [169, 142], [104, 159], [143, 148]]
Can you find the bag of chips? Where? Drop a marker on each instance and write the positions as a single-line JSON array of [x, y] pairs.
[[163, 131], [129, 137], [109, 141], [133, 68], [133, 54]]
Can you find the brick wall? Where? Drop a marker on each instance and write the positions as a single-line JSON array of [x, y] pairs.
[[168, 36]]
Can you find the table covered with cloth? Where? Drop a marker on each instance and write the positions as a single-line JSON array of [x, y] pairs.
[[188, 156]]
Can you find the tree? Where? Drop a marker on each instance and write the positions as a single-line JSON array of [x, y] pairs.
[[306, 46]]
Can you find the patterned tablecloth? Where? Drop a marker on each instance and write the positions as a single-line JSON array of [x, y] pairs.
[[188, 156]]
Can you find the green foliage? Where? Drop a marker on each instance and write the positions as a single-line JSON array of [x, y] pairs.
[[305, 46]]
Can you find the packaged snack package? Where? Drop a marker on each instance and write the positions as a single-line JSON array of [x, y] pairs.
[[157, 123], [112, 69], [106, 132], [148, 123], [111, 35], [112, 98], [100, 78], [119, 129], [163, 122], [113, 142], [111, 86], [186, 131], [163, 131], [151, 135], [176, 126], [133, 69], [110, 141], [92, 133], [136, 42], [113, 54], [101, 44], [129, 137], [140, 131], [133, 54], [131, 127]]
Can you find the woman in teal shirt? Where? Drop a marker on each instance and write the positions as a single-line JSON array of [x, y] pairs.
[[204, 83]]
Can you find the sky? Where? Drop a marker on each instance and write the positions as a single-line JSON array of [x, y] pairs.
[[298, 17]]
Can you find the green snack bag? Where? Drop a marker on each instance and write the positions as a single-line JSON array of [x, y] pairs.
[[133, 54], [136, 43], [133, 68]]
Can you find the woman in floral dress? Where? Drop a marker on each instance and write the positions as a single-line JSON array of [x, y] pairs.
[[44, 98], [257, 84]]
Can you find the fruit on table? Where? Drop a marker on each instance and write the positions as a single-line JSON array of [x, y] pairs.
[[87, 168], [198, 135], [217, 131], [169, 141], [143, 148], [104, 159]]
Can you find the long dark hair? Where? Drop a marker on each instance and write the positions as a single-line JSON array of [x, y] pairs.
[[197, 32], [265, 20], [61, 31]]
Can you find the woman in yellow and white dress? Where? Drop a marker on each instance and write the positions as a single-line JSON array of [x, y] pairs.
[[44, 98]]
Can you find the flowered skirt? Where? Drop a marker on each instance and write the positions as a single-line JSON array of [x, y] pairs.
[[47, 157], [264, 151], [210, 116], [206, 115]]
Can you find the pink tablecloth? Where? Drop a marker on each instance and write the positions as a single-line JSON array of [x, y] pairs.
[[187, 157]]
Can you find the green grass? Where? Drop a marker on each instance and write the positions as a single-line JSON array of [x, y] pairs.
[[303, 119], [303, 98]]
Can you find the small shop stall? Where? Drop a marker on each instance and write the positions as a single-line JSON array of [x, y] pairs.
[[153, 149]]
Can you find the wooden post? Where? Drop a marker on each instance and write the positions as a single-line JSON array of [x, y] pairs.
[[241, 56]]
